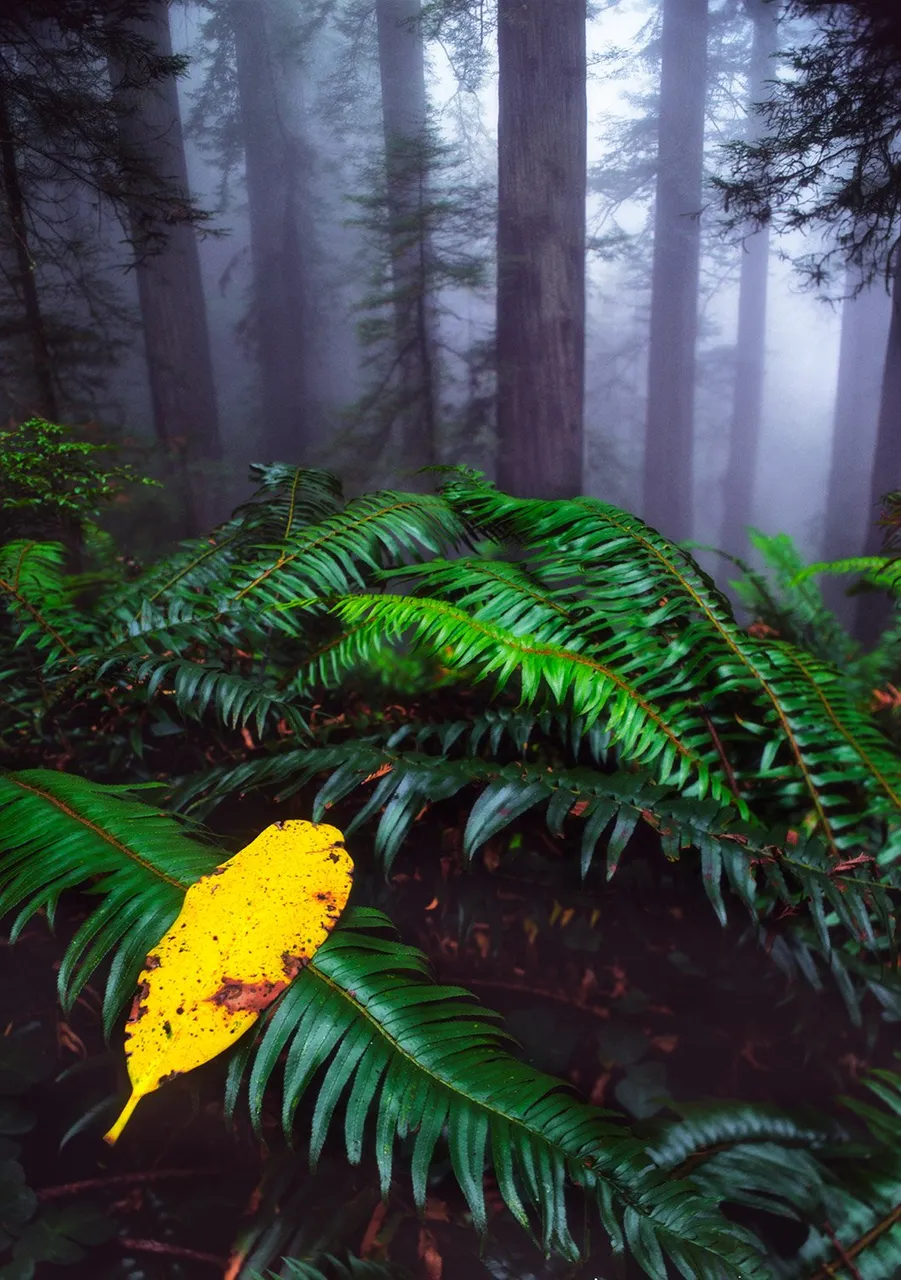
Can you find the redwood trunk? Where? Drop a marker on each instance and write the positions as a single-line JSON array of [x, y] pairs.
[[747, 407], [170, 291], [865, 326], [669, 437], [542, 171], [278, 167], [37, 379], [874, 609], [404, 119]]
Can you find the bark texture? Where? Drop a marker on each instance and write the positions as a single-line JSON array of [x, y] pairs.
[[674, 284], [170, 291], [405, 123], [747, 407], [35, 381], [542, 173]]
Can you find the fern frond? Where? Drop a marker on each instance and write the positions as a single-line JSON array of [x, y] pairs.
[[289, 769], [705, 1128], [427, 1058], [61, 832], [35, 571], [750, 1155], [882, 571], [792, 604], [38, 592], [408, 781], [615, 803], [846, 1192], [855, 740], [286, 497], [674, 740], [345, 550], [197, 688], [624, 564]]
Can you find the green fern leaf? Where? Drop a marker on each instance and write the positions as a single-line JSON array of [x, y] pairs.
[[628, 566], [428, 1057], [62, 832]]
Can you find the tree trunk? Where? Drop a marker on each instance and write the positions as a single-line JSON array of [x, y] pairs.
[[542, 174], [865, 325], [674, 281], [874, 609], [747, 407], [37, 378], [404, 119], [170, 291], [278, 164]]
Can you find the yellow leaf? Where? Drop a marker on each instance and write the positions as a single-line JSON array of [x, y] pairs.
[[243, 933]]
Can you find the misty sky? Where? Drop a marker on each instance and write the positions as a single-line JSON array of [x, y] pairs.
[[802, 331]]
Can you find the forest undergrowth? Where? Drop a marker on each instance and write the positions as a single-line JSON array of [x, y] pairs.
[[575, 789]]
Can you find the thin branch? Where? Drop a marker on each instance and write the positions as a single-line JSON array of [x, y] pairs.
[[172, 1251], [114, 1180]]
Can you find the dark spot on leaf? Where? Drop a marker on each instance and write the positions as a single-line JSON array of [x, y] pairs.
[[137, 1008], [218, 871], [167, 1029], [235, 995], [180, 1009], [279, 826], [153, 962], [229, 991], [170, 1075], [292, 965]]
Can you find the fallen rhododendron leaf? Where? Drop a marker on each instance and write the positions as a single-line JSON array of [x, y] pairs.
[[243, 933]]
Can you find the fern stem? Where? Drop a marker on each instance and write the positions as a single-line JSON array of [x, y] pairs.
[[849, 1252], [38, 617]]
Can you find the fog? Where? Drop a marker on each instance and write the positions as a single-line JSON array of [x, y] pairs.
[[328, 99], [803, 329]]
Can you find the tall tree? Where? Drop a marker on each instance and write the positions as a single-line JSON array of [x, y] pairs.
[[674, 283], [170, 290], [64, 169], [542, 168], [873, 610], [407, 153], [828, 160], [278, 163], [747, 404], [36, 378], [866, 314]]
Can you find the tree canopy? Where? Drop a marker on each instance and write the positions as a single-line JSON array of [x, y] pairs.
[[828, 157]]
